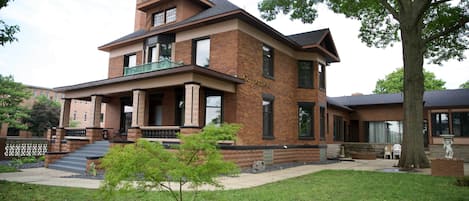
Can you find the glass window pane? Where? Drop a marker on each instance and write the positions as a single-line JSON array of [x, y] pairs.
[[267, 119], [213, 106], [267, 61], [165, 51], [152, 54], [305, 74], [322, 76], [461, 123], [158, 19], [171, 15], [305, 121], [202, 53], [440, 124], [132, 60]]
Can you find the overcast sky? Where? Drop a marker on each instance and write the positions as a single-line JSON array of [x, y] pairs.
[[59, 38]]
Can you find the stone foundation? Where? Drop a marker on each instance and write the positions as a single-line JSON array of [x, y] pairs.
[[447, 167]]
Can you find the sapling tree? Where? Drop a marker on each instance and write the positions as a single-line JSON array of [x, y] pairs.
[[150, 166]]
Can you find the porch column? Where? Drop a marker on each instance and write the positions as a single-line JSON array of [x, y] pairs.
[[96, 111], [138, 106], [65, 113], [191, 105]]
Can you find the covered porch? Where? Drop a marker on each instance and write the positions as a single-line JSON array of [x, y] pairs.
[[155, 105]]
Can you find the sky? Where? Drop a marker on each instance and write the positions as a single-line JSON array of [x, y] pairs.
[[57, 45]]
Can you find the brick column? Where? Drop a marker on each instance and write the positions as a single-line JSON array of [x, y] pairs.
[[65, 113], [95, 111], [138, 106], [4, 130], [59, 136], [191, 104]]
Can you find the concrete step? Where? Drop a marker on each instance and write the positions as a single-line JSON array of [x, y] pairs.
[[67, 168]]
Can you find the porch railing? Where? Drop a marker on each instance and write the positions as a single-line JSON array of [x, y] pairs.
[[164, 64], [16, 147], [74, 132], [167, 132]]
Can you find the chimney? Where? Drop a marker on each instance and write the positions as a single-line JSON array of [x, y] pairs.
[[140, 18]]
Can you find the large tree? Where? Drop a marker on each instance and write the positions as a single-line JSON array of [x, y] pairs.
[[11, 95], [6, 31], [464, 85], [44, 114], [428, 29], [394, 82]]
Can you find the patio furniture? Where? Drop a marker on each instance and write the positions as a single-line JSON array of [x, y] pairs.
[[388, 151], [396, 150]]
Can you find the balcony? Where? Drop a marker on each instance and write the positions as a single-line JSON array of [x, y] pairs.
[[145, 68]]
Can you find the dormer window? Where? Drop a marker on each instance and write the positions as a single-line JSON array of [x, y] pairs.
[[164, 17]]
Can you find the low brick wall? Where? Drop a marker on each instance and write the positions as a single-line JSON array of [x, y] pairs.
[[377, 149], [447, 167], [74, 144], [460, 151], [243, 158], [51, 157]]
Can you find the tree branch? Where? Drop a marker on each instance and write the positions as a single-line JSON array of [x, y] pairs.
[[421, 9], [461, 23], [390, 9], [435, 3]]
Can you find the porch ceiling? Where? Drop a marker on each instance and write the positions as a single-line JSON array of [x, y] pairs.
[[157, 79]]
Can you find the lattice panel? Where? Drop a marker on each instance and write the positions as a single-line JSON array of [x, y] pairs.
[[18, 149]]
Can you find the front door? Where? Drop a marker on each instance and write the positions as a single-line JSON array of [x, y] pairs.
[[156, 110], [126, 115]]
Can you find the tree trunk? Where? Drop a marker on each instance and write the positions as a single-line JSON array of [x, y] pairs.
[[413, 154]]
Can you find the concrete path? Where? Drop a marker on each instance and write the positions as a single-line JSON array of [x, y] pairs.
[[51, 177]]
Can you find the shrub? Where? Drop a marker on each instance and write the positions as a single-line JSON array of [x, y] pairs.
[[462, 181], [148, 165]]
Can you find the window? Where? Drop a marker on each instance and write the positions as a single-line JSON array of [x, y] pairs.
[[164, 17], [440, 124], [152, 54], [267, 116], [165, 51], [460, 123], [339, 127], [74, 115], [158, 19], [267, 61], [305, 74], [213, 108], [130, 60], [202, 52], [388, 132], [322, 123], [84, 117], [171, 15], [306, 120], [322, 76], [101, 118]]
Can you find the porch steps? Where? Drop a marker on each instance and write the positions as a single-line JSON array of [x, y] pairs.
[[76, 161]]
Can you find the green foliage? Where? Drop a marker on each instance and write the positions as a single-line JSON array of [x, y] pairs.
[[6, 168], [6, 31], [464, 85], [18, 162], [74, 124], [92, 171], [11, 95], [394, 82], [196, 161], [44, 114], [462, 181]]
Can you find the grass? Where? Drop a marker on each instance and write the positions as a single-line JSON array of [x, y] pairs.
[[324, 185], [6, 168]]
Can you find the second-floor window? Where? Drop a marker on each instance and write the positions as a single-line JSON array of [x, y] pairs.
[[305, 74], [163, 53], [201, 52], [130, 60], [268, 61], [164, 17]]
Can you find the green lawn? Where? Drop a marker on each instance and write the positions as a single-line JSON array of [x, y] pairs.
[[6, 168], [325, 185]]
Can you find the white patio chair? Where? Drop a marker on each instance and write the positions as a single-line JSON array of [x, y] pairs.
[[387, 151], [396, 150]]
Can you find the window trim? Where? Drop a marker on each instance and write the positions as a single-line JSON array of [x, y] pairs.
[[270, 98], [194, 50], [272, 63], [312, 105], [165, 16], [126, 59], [322, 123], [312, 74]]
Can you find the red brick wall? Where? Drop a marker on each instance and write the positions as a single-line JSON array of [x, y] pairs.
[[183, 51], [245, 158], [224, 51], [50, 158], [73, 145], [333, 111], [116, 66]]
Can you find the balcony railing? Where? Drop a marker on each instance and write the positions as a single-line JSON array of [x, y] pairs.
[[167, 132], [145, 68], [75, 132]]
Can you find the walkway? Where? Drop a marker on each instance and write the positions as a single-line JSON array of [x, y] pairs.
[[51, 177]]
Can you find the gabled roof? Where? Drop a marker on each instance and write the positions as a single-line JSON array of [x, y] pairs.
[[224, 10], [442, 98]]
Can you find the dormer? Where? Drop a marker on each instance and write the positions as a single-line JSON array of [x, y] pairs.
[[152, 14]]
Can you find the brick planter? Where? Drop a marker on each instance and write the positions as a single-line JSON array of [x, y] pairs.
[[93, 159], [51, 157], [447, 167]]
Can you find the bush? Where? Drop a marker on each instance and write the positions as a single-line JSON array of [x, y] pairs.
[[148, 165]]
